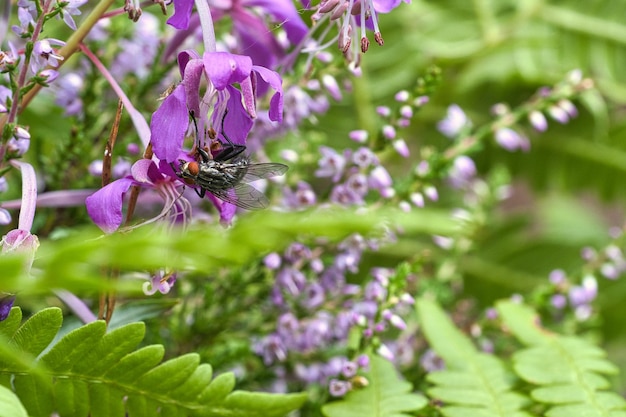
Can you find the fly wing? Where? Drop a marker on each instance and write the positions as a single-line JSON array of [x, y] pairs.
[[260, 171], [243, 195]]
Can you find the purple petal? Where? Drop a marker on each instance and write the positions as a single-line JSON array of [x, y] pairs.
[[259, 43], [105, 205], [238, 122], [145, 171], [227, 210], [275, 81], [385, 6], [191, 81], [224, 68], [285, 12], [249, 100], [6, 302], [183, 59], [168, 126], [182, 13]]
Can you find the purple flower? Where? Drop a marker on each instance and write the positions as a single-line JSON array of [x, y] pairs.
[[331, 165], [401, 147], [585, 293], [381, 180], [359, 136], [389, 132], [249, 21], [105, 205], [71, 8], [272, 349], [345, 195], [67, 96], [358, 184], [313, 296], [455, 122], [26, 12], [138, 53], [364, 157], [558, 301], [223, 71], [310, 374], [291, 280], [5, 217], [511, 140], [21, 241], [557, 277], [538, 121], [338, 388], [431, 362], [272, 261], [302, 197], [161, 282], [44, 55], [462, 172]]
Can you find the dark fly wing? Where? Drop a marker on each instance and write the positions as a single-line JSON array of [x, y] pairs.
[[259, 171], [243, 195]]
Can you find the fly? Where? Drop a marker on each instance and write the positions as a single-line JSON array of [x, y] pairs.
[[228, 174]]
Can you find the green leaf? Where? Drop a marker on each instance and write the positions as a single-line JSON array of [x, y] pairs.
[[258, 404], [221, 386], [10, 325], [386, 395], [568, 370], [473, 383], [38, 331], [137, 363], [111, 349], [75, 262], [70, 350], [90, 372], [10, 405], [170, 374]]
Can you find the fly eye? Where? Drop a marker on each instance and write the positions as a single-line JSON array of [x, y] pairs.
[[192, 167]]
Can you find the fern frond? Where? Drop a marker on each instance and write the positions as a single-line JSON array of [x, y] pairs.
[[568, 370], [92, 372], [474, 383], [386, 395]]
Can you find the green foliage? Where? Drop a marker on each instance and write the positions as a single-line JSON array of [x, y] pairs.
[[94, 372], [564, 373], [474, 383], [568, 370], [76, 262], [387, 395]]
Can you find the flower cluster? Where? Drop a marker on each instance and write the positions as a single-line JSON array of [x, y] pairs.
[[320, 308]]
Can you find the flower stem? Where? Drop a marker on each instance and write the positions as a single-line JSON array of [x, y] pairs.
[[143, 130], [206, 22]]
